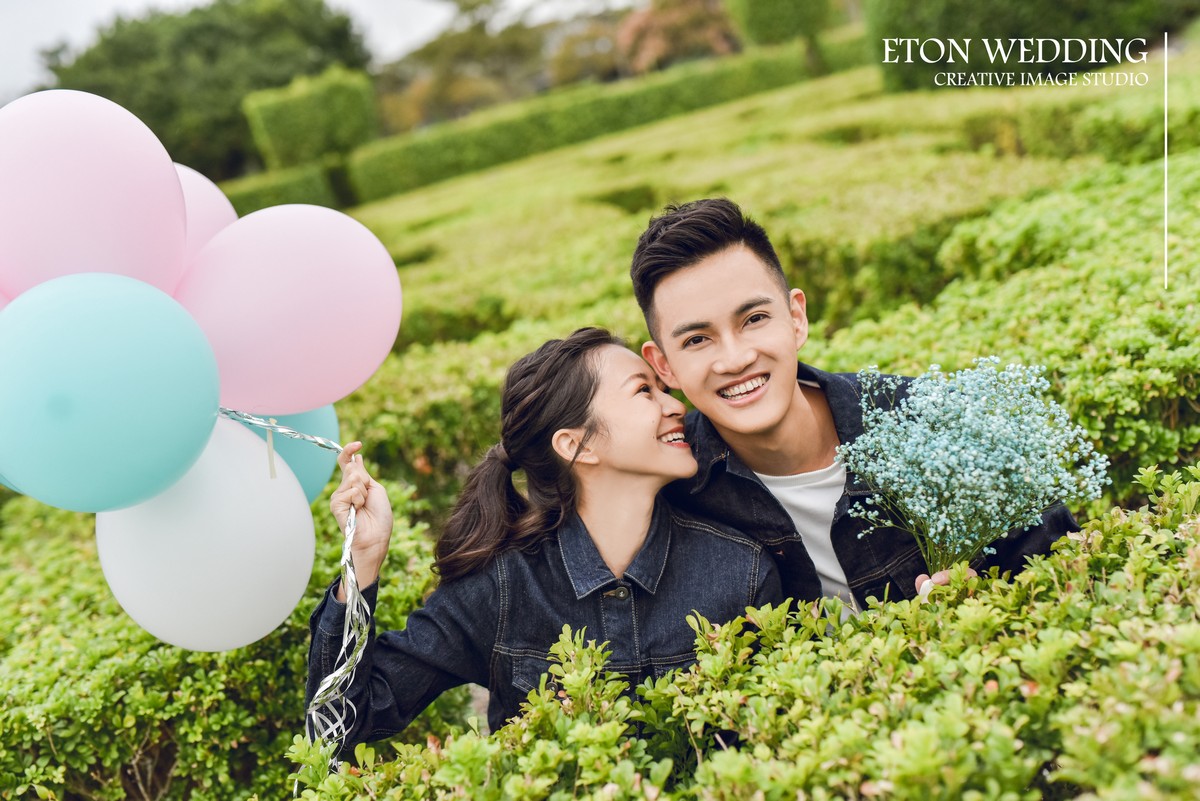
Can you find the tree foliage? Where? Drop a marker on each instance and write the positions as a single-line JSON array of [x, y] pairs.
[[671, 31], [768, 22], [184, 74]]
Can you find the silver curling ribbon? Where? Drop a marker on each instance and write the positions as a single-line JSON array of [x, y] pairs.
[[330, 715]]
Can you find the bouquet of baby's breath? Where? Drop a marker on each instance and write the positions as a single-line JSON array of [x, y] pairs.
[[963, 458]]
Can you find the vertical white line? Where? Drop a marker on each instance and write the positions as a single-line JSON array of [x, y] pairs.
[[1166, 168]]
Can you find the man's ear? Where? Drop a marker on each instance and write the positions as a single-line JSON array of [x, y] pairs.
[[799, 310], [653, 354], [566, 442]]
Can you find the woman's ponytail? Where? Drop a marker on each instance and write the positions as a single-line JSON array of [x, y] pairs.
[[483, 518]]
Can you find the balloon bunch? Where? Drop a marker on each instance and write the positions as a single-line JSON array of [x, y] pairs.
[[134, 306]]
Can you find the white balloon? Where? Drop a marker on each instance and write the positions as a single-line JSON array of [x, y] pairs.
[[221, 558]]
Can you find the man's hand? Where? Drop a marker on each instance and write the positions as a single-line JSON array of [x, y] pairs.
[[372, 521], [925, 582]]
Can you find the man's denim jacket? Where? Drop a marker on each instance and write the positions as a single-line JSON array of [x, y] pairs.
[[495, 627], [883, 564]]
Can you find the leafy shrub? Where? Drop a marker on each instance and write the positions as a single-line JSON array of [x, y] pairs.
[[1077, 677], [775, 21], [1071, 280], [306, 184], [1122, 126], [965, 20], [404, 162], [312, 117], [93, 707]]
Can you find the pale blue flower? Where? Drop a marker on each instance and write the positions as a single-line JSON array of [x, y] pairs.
[[965, 457]]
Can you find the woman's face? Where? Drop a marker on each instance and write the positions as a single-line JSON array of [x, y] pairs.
[[640, 426]]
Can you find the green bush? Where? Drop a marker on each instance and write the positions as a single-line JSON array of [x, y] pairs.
[[1079, 677], [306, 184], [1072, 280], [767, 22], [312, 117], [93, 707], [1121, 126], [404, 162], [965, 20]]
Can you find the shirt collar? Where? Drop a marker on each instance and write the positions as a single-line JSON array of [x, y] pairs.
[[586, 568], [841, 393]]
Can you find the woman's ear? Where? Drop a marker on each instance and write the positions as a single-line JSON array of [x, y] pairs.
[[567, 444]]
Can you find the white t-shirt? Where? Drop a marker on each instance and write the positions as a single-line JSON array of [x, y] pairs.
[[810, 499]]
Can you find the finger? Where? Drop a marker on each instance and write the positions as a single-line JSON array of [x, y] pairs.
[[351, 496], [941, 577], [921, 579], [971, 573], [346, 457]]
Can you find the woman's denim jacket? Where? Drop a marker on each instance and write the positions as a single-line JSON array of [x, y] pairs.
[[494, 628], [883, 564]]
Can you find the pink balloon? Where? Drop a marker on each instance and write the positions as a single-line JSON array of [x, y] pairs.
[[3, 301], [85, 187], [301, 304], [208, 210]]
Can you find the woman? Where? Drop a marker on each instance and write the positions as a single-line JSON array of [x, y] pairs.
[[590, 545]]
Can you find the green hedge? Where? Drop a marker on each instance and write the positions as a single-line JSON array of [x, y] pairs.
[[306, 184], [93, 707], [405, 162], [1079, 677], [967, 20], [767, 22], [312, 117], [1072, 280], [1121, 126]]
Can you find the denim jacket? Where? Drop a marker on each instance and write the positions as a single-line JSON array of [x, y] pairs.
[[495, 627], [884, 564]]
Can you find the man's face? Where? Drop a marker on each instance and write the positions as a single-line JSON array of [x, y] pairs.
[[727, 335]]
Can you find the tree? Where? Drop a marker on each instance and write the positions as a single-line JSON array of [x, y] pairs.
[[467, 67], [768, 22], [184, 74], [586, 50], [670, 31]]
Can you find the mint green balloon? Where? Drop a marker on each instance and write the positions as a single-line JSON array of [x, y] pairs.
[[312, 464], [108, 394]]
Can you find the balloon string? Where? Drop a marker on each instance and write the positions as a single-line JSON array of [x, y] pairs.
[[330, 715]]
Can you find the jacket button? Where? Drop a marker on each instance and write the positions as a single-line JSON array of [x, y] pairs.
[[620, 593]]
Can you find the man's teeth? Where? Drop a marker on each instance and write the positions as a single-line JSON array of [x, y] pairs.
[[744, 388], [674, 437]]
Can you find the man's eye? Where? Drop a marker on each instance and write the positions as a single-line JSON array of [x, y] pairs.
[[756, 317], [690, 341]]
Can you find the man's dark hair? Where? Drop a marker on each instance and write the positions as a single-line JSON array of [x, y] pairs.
[[685, 235]]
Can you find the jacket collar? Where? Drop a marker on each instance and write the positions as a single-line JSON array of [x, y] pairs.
[[841, 393], [586, 568]]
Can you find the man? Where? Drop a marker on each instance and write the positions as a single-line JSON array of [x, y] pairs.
[[726, 329]]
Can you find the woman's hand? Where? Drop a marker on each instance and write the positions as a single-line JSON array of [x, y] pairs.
[[372, 520]]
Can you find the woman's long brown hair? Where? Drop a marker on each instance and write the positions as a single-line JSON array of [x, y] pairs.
[[547, 390]]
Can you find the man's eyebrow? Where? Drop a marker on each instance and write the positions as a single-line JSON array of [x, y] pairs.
[[698, 325], [687, 328]]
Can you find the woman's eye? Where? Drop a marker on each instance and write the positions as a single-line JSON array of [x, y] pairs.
[[644, 388]]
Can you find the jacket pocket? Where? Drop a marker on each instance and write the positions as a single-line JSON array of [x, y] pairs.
[[527, 672]]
